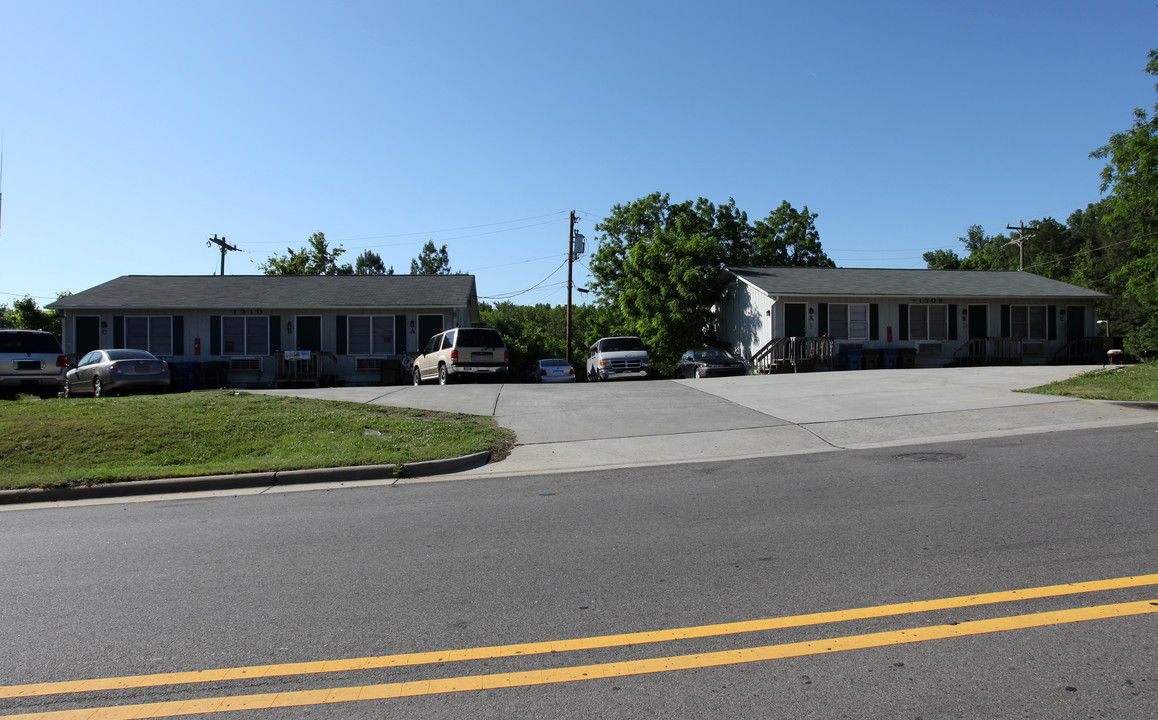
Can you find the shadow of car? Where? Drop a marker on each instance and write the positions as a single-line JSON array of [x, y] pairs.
[[709, 362], [106, 372]]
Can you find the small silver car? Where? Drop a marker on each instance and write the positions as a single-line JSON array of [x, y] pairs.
[[553, 370], [105, 372]]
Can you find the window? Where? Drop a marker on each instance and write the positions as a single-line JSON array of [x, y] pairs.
[[928, 322], [848, 322], [154, 334], [370, 335], [245, 335], [1028, 321]]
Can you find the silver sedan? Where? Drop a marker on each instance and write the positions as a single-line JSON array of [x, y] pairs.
[[106, 372]]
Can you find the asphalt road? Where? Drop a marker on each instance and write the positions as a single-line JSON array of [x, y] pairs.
[[310, 576]]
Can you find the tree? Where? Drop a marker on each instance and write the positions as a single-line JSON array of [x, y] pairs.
[[1131, 176], [25, 314], [317, 259], [657, 266], [370, 263], [431, 261]]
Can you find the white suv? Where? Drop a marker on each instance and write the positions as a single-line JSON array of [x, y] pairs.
[[31, 361], [617, 357], [462, 353]]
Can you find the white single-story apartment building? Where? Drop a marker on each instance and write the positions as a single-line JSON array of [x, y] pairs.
[[261, 330], [778, 316]]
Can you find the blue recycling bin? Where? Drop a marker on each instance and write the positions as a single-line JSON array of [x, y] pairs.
[[184, 376], [852, 359], [889, 357]]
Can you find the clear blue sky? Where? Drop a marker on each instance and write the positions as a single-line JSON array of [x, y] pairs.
[[134, 131]]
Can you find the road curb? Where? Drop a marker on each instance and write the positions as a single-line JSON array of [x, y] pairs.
[[248, 480]]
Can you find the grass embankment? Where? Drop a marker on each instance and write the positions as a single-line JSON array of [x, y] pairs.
[[1125, 383], [45, 443]]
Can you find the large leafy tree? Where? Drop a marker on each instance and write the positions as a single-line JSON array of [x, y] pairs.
[[315, 259], [1131, 176], [657, 266], [431, 261], [25, 314]]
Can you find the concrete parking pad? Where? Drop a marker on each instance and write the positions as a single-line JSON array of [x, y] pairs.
[[601, 425]]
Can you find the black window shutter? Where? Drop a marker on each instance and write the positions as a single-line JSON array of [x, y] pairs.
[[118, 331], [215, 335], [822, 323], [1006, 322], [903, 321], [274, 334], [952, 322], [178, 334], [341, 349], [399, 334], [874, 321], [1053, 322]]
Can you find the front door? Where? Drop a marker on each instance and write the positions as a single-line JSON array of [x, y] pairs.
[[978, 321], [308, 335], [794, 320], [87, 335], [1075, 323], [428, 327]]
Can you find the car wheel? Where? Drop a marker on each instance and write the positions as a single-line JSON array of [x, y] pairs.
[[443, 378], [416, 376], [98, 388]]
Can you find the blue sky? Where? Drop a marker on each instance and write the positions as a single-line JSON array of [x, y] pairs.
[[134, 131]]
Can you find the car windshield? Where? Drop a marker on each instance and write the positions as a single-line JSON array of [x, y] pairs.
[[130, 355], [479, 337], [713, 354], [29, 342], [556, 362], [621, 344]]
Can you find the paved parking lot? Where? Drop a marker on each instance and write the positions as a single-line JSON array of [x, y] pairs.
[[605, 425]]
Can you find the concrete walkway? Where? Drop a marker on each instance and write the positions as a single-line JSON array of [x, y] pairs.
[[629, 423]]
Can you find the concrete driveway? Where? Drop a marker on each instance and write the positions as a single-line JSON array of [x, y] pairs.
[[628, 423]]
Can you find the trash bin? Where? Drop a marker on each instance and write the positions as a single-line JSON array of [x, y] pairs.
[[391, 372], [852, 359], [213, 374], [184, 376], [889, 358], [872, 359], [907, 358]]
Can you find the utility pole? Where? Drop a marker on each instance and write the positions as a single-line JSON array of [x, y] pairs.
[[575, 248], [1020, 241], [570, 259], [224, 247]]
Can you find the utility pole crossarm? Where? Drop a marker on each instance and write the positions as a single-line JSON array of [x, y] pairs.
[[224, 248]]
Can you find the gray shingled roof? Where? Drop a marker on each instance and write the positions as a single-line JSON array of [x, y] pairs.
[[809, 281], [319, 292]]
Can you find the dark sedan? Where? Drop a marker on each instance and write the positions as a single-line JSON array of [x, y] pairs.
[[105, 372], [709, 362]]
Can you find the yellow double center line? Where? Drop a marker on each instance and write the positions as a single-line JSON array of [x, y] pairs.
[[586, 672]]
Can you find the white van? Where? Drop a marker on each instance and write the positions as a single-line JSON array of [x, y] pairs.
[[617, 357]]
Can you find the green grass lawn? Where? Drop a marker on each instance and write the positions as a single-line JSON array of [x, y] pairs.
[[1129, 382], [47, 443]]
